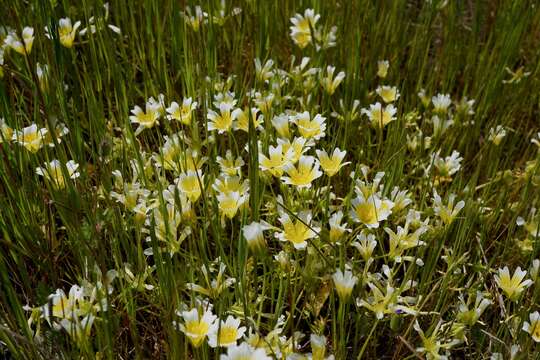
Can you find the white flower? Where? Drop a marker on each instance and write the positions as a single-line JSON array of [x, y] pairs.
[[533, 328], [378, 116], [253, 233], [344, 283], [441, 102], [302, 27], [496, 134], [244, 351], [225, 333]]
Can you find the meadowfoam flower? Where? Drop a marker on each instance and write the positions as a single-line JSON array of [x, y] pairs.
[[222, 121], [299, 146], [229, 165], [388, 93], [336, 228], [145, 118], [253, 233], [310, 128], [22, 47], [31, 137], [378, 116], [497, 134], [225, 333], [470, 316], [318, 347], [67, 31], [229, 203], [328, 82], [365, 245], [448, 166], [263, 73], [344, 283], [302, 27], [244, 351], [276, 161], [447, 212], [382, 68], [533, 327], [190, 183], [281, 124], [243, 116], [512, 286], [441, 102], [370, 211], [53, 172], [297, 231], [6, 132], [182, 113], [331, 165], [195, 20], [197, 326], [303, 174]]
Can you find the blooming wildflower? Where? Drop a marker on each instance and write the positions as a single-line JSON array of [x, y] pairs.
[[318, 346], [401, 199], [388, 93], [336, 228], [6, 132], [328, 82], [225, 333], [242, 119], [303, 174], [182, 113], [253, 233], [310, 128], [30, 137], [263, 101], [534, 269], [195, 20], [382, 68], [365, 245], [22, 47], [441, 102], [146, 119], [78, 329], [440, 125], [344, 283], [448, 212], [512, 286], [42, 72], [448, 166], [378, 116], [244, 351], [62, 306], [227, 184], [424, 98], [383, 303], [281, 124], [230, 202], [402, 240], [371, 210], [533, 328], [188, 183], [302, 27], [497, 134], [222, 121], [432, 345], [53, 172], [471, 316], [331, 165], [67, 31], [276, 161], [296, 231], [196, 326], [465, 106], [299, 146], [264, 72], [230, 165]]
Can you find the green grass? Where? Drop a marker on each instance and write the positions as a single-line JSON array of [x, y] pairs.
[[52, 238]]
